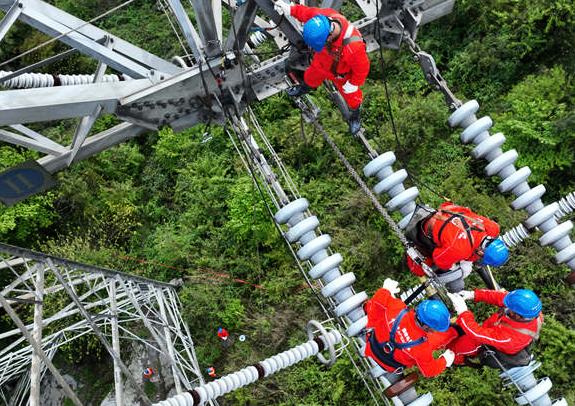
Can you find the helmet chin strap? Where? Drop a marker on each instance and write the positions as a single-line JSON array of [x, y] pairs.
[[332, 26]]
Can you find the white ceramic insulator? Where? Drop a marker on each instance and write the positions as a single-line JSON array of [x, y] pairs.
[[34, 80]]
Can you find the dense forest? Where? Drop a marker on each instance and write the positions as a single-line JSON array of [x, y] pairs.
[[175, 200]]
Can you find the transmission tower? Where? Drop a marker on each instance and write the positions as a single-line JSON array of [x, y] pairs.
[[69, 299]]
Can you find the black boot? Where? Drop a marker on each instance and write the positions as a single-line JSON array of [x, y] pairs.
[[354, 120], [298, 90]]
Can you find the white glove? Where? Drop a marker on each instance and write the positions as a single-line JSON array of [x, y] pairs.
[[282, 8], [466, 268], [466, 294], [458, 303], [449, 357], [349, 88], [392, 286]]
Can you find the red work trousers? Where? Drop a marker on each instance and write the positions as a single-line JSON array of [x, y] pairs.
[[354, 99], [314, 78]]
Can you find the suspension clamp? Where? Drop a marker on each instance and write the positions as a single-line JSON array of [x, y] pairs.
[[432, 74]]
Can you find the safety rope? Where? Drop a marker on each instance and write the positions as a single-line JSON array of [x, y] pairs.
[[411, 251]]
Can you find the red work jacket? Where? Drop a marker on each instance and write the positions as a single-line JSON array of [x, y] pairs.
[[498, 331], [453, 242], [381, 311], [354, 63]]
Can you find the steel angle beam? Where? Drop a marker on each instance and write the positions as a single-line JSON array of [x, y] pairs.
[[335, 4], [38, 137], [434, 9], [206, 19], [94, 144], [125, 57], [244, 17], [55, 103], [187, 28], [286, 25], [368, 7], [10, 18], [29, 143], [180, 98]]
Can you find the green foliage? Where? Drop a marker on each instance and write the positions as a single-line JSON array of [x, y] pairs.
[[20, 224], [539, 121], [150, 389]]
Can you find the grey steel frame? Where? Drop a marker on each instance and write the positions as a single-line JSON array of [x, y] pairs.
[[110, 303]]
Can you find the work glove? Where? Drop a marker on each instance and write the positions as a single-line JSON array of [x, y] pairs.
[[392, 286], [466, 294], [349, 88], [458, 303], [449, 357], [282, 8], [466, 268]]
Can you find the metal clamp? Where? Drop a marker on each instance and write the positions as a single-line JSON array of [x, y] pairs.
[[311, 325]]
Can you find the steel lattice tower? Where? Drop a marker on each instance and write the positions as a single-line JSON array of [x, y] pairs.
[[92, 300]]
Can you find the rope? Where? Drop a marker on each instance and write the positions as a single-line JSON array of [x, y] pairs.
[[363, 185], [66, 33]]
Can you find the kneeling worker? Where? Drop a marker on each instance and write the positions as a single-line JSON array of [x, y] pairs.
[[507, 333], [340, 55], [404, 338], [454, 236]]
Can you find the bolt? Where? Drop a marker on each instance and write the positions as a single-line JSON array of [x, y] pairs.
[[152, 72], [167, 115]]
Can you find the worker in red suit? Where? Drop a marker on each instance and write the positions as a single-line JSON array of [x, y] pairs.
[[211, 372], [403, 338], [340, 55], [223, 334], [507, 332], [454, 235]]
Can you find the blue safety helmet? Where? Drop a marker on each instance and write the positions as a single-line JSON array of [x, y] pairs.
[[434, 314], [496, 253], [316, 31], [524, 302]]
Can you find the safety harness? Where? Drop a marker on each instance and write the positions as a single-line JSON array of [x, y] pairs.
[[463, 225], [385, 351], [487, 354], [336, 53], [533, 334]]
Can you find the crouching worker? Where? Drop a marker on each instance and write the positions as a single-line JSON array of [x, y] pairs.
[[506, 335], [452, 237], [340, 55], [404, 338]]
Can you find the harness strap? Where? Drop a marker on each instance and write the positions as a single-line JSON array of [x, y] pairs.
[[533, 334], [464, 225], [385, 351], [336, 53]]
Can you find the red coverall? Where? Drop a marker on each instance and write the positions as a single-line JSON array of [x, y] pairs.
[[381, 312], [353, 65], [453, 242], [495, 331], [223, 334]]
